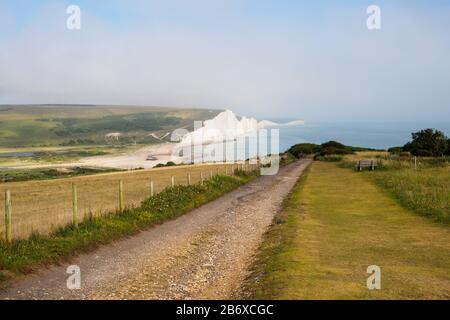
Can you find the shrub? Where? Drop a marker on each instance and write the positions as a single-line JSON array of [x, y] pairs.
[[168, 164], [302, 149], [333, 151], [396, 150], [329, 158], [286, 158], [428, 143], [327, 148], [333, 144]]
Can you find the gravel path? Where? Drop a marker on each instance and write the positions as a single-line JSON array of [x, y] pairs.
[[201, 255]]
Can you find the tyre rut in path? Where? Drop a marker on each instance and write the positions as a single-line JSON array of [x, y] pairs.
[[204, 254]]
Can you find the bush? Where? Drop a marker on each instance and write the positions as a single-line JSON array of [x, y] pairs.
[[327, 148], [423, 153], [286, 158], [333, 151], [396, 150], [301, 149], [329, 158], [333, 144], [428, 143], [168, 164]]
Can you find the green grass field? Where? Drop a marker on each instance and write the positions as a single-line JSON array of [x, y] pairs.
[[50, 125], [425, 191], [423, 188], [335, 224], [15, 175]]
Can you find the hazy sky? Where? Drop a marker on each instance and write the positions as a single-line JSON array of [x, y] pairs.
[[259, 58]]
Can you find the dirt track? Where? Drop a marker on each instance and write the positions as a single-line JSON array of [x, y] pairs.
[[204, 254]]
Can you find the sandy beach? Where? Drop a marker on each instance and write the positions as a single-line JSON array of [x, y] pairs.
[[131, 159], [134, 159]]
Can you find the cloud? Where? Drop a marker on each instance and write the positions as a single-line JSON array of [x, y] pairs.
[[333, 68]]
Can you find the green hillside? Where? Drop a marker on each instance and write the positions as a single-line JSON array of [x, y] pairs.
[[62, 125]]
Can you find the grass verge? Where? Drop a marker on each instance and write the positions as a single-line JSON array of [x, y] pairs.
[[425, 191], [333, 226], [15, 175], [23, 256]]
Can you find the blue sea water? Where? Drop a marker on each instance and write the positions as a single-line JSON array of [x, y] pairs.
[[369, 135]]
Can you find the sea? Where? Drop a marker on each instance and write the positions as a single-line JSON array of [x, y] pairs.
[[379, 136], [369, 135]]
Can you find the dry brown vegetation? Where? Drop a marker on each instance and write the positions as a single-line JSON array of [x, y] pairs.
[[42, 206]]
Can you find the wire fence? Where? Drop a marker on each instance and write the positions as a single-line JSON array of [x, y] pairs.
[[41, 207]]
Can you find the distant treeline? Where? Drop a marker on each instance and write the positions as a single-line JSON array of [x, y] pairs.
[[324, 149], [424, 143]]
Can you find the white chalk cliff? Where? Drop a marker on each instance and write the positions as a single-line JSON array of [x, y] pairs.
[[226, 126]]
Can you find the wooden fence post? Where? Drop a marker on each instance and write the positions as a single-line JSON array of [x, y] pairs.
[[201, 178], [173, 181], [151, 188], [188, 179], [8, 212], [121, 207], [74, 206], [415, 162]]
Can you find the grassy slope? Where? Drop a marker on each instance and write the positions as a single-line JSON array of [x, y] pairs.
[[39, 125], [335, 224], [24, 255]]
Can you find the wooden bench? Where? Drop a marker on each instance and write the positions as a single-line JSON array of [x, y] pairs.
[[361, 164]]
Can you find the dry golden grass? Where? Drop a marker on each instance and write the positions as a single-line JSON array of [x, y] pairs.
[[365, 155], [43, 206]]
